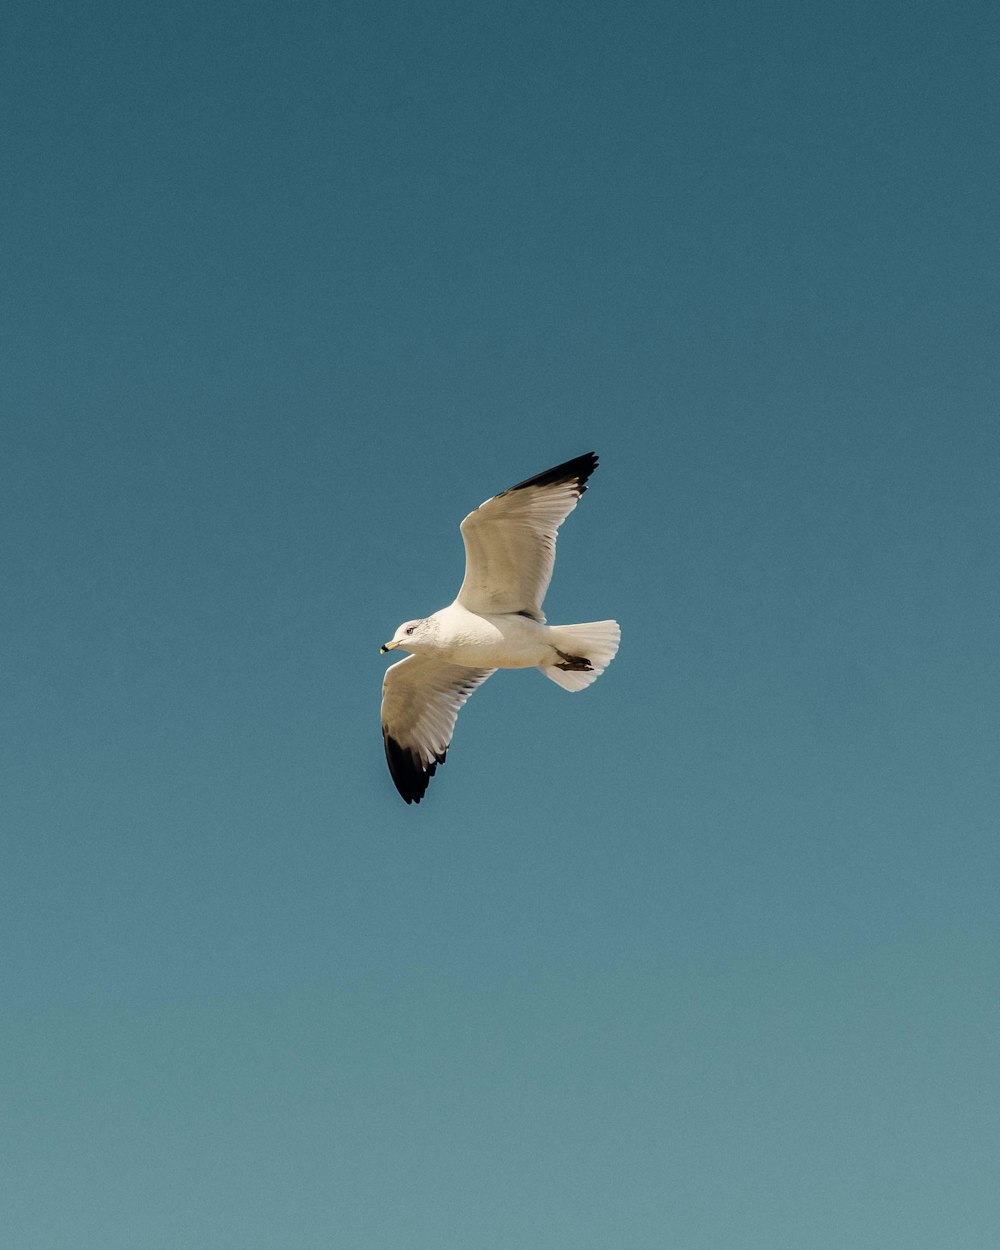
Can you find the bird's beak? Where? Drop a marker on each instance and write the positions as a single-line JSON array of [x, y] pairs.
[[388, 646]]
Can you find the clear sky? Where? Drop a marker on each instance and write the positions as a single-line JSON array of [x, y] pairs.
[[706, 957]]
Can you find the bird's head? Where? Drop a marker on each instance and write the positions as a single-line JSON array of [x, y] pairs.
[[412, 636]]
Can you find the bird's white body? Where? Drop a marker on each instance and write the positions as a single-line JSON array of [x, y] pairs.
[[455, 635], [474, 641]]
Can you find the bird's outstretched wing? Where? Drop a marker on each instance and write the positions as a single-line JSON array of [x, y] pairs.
[[420, 701], [510, 540]]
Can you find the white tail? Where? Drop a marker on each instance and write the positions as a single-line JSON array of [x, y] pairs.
[[596, 642]]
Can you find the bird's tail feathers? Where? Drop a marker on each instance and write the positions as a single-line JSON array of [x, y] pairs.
[[581, 653]]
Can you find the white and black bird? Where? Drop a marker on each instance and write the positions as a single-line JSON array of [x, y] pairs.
[[495, 622]]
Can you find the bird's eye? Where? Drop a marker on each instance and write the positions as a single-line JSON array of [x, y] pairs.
[[410, 629]]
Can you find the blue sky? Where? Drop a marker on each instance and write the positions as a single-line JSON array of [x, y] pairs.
[[705, 957]]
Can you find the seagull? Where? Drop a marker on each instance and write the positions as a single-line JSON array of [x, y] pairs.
[[495, 622]]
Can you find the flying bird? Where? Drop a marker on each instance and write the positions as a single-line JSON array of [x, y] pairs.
[[495, 622]]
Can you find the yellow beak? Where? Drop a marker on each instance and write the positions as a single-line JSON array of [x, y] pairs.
[[388, 646]]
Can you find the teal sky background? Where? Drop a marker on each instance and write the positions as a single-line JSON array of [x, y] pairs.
[[704, 958]]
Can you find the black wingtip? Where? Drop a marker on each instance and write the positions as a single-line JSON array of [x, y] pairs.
[[577, 470], [409, 775]]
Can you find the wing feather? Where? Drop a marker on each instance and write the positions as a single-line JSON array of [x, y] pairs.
[[421, 697], [510, 540]]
